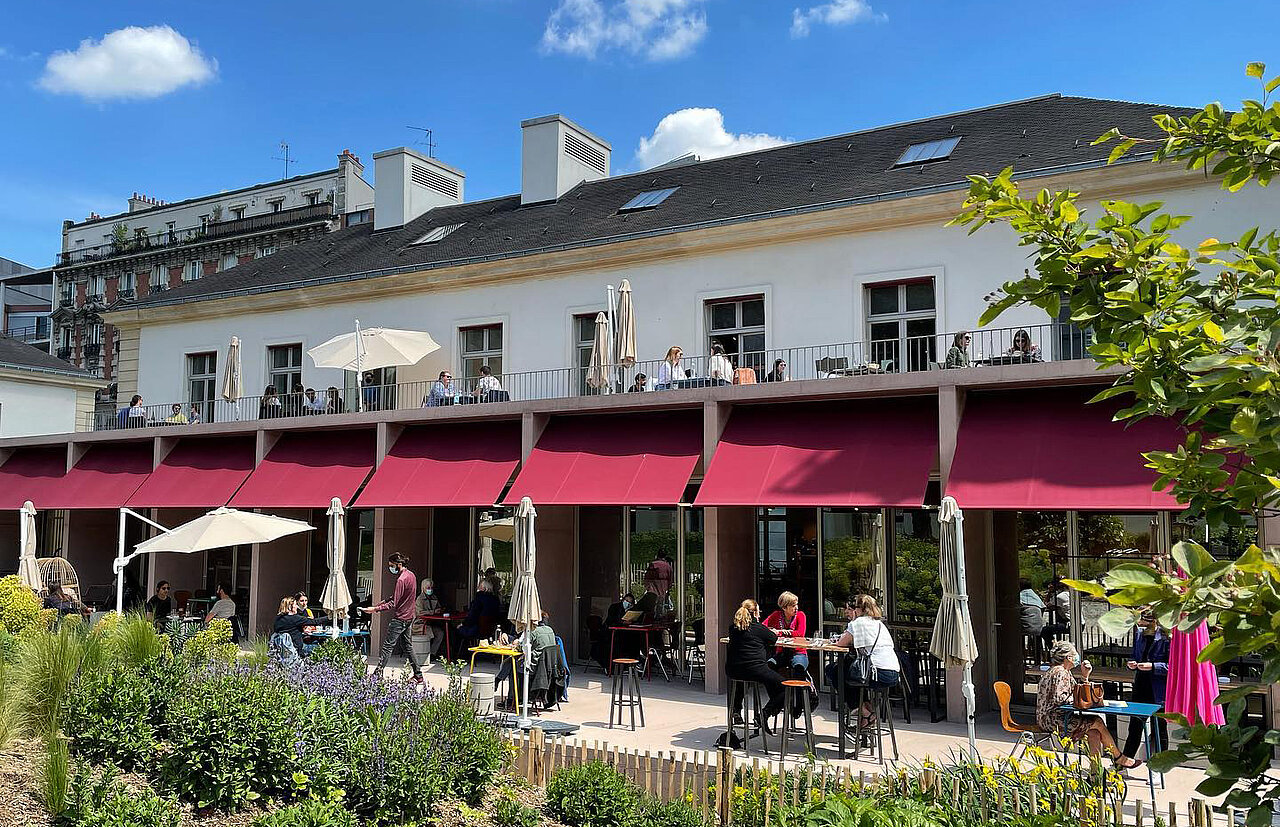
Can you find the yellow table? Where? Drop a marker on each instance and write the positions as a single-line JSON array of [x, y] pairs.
[[501, 652]]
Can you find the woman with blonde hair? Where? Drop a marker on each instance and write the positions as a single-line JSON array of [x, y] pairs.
[[670, 370], [292, 625], [789, 622], [751, 644], [867, 633]]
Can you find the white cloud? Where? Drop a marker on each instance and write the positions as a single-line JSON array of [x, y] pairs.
[[657, 29], [700, 131], [133, 62], [835, 13]]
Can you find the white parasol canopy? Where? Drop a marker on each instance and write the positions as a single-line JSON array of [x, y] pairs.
[[526, 606], [598, 368], [28, 568], [336, 596], [232, 376], [372, 348], [502, 529], [625, 324]]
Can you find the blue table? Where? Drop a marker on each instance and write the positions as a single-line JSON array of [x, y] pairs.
[[357, 637], [1129, 709]]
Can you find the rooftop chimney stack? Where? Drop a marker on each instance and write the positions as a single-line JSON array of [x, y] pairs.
[[408, 183], [556, 156]]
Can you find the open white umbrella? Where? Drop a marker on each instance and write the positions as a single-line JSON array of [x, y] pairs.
[[526, 606], [373, 348], [625, 324], [336, 596], [28, 568], [232, 377], [598, 368], [220, 528], [953, 642]]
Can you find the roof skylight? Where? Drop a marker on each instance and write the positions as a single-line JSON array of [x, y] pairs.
[[938, 150], [436, 233], [647, 200]]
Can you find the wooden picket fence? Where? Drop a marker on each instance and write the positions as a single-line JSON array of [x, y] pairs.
[[697, 777]]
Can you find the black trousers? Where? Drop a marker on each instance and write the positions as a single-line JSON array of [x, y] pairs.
[[762, 674], [1137, 726], [398, 635]]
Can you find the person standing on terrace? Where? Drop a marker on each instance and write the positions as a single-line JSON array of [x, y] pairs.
[[670, 370], [402, 608], [958, 355], [719, 367], [270, 407]]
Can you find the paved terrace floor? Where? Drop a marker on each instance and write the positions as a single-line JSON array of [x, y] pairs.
[[679, 718]]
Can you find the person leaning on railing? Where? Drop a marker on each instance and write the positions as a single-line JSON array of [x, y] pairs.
[[269, 407], [958, 355]]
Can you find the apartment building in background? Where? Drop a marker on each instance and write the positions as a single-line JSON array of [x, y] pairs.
[[26, 300], [107, 262]]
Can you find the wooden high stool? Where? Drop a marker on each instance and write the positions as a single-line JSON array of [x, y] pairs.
[[751, 713], [625, 691], [796, 693]]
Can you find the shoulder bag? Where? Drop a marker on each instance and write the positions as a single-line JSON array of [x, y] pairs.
[[860, 669]]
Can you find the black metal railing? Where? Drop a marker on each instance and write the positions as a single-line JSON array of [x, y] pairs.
[[991, 347], [30, 334], [210, 231]]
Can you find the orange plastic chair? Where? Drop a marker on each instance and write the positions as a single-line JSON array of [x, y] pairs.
[[1027, 735], [744, 376]]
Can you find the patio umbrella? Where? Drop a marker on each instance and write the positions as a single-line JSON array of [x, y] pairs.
[[953, 641], [232, 379], [526, 607], [336, 596], [28, 568], [220, 528], [503, 528], [373, 348], [625, 322], [1192, 689], [486, 553], [598, 368]]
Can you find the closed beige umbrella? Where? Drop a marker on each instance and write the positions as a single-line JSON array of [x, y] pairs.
[[526, 606], [336, 596], [28, 568], [598, 369], [953, 642], [625, 321], [232, 376]]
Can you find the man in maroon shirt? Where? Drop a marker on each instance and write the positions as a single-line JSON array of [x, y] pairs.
[[401, 606]]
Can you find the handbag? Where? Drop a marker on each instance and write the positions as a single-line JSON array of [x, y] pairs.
[[1086, 695], [861, 671]]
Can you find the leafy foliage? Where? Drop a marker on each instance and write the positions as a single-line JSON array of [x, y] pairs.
[[511, 812], [1197, 334], [19, 606], [212, 644], [675, 813], [99, 800], [117, 715], [591, 795], [339, 654], [310, 813]]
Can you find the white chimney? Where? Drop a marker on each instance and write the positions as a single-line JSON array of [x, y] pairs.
[[408, 183], [556, 156]]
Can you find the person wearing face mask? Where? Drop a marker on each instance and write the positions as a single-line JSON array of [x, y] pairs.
[[429, 604], [401, 606]]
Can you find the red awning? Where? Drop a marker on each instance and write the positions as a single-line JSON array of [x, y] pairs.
[[31, 474], [1048, 450], [444, 465], [640, 459], [308, 469], [105, 477], [865, 453], [197, 473]]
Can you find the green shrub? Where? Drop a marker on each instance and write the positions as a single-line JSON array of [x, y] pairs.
[[47, 663], [19, 606], [8, 646], [102, 801], [309, 813], [339, 654], [54, 775], [676, 813], [211, 644], [132, 640], [591, 795], [509, 811], [230, 739], [116, 715]]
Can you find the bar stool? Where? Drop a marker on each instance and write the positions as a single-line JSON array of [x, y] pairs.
[[625, 691], [879, 699], [751, 712], [796, 692]]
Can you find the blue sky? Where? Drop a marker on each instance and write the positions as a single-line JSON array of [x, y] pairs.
[[204, 107]]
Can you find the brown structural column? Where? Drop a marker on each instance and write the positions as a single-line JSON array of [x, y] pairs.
[[729, 578], [715, 596], [531, 427]]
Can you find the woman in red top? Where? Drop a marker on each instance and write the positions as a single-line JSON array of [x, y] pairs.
[[789, 621]]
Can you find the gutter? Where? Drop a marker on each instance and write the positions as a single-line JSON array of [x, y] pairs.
[[898, 195], [71, 374]]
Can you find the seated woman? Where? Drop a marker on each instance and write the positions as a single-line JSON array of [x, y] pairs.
[[290, 626], [482, 614], [1022, 347], [605, 644], [788, 621], [958, 355], [429, 604], [1056, 688], [866, 632], [751, 643], [541, 637], [670, 371]]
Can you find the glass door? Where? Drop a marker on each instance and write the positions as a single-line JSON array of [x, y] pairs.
[[787, 558], [601, 576], [853, 563]]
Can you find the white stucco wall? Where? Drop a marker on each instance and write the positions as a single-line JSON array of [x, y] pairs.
[[814, 295], [30, 409]]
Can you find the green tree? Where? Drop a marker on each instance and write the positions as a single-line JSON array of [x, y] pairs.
[[1197, 333]]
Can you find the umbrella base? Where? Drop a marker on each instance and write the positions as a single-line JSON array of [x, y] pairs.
[[548, 727]]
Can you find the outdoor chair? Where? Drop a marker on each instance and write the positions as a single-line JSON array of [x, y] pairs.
[[830, 364], [1027, 735], [744, 376], [696, 653]]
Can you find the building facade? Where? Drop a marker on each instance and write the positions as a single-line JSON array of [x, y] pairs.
[[107, 262], [39, 393], [26, 302], [822, 269]]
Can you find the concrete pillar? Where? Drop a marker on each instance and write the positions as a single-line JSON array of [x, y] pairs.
[[408, 532], [531, 427], [729, 576], [950, 409], [557, 572], [278, 568]]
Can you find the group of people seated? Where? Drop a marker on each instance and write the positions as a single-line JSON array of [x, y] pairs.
[[1022, 349], [136, 415], [162, 606], [488, 388], [754, 653], [294, 625], [674, 373], [299, 402]]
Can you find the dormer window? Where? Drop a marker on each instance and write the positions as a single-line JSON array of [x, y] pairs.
[[435, 234]]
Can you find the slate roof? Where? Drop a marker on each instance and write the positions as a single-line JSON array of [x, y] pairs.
[[1039, 134], [18, 354]]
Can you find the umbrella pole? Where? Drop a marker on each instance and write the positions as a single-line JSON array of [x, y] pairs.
[[119, 565], [966, 687], [359, 371], [525, 720]]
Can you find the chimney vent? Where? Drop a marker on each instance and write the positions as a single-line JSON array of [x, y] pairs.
[[557, 155], [407, 184]]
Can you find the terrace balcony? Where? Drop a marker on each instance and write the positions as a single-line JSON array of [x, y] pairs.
[[813, 371]]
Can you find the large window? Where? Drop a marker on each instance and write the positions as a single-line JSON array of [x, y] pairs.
[[128, 282], [737, 325], [584, 336], [481, 346], [97, 285], [285, 369], [202, 380], [193, 271], [901, 323], [917, 592], [853, 563]]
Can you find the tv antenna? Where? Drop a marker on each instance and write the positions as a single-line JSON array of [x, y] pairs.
[[284, 156], [426, 140]]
